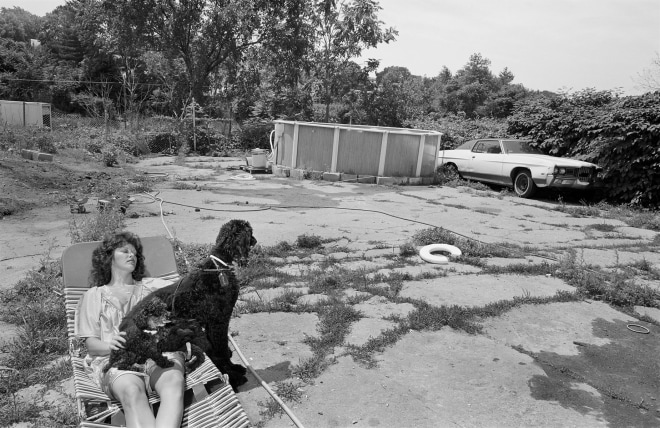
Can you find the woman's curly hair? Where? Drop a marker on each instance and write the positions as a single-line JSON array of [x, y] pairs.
[[102, 257]]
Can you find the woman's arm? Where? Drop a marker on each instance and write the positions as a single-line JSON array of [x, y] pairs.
[[98, 348]]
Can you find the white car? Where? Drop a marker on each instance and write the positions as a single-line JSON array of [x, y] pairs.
[[516, 164]]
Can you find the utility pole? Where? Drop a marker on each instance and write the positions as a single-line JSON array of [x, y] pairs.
[[194, 135]]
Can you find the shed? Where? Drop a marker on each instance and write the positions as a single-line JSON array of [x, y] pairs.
[[21, 113]]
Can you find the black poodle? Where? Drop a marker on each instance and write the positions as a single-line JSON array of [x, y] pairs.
[[150, 332], [208, 295]]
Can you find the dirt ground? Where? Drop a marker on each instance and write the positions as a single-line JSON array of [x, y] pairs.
[[561, 364]]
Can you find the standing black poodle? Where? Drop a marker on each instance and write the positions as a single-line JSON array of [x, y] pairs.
[[208, 295]]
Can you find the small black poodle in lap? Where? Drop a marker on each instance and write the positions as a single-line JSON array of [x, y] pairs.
[[208, 295], [149, 333]]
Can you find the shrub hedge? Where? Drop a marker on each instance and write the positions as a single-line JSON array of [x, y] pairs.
[[621, 134]]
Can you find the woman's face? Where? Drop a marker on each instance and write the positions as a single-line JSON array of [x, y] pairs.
[[124, 258]]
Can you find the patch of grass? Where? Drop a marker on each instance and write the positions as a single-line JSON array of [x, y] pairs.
[[579, 211], [500, 307], [36, 304], [365, 353], [617, 288], [207, 217], [379, 245], [635, 217], [281, 249], [601, 227], [407, 249], [531, 269], [469, 247], [189, 255], [181, 185], [432, 318], [334, 325], [94, 226], [285, 302], [309, 241], [287, 392], [310, 368]]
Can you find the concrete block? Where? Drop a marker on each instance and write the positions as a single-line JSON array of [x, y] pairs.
[[400, 180], [331, 176], [366, 179], [297, 174], [349, 177], [316, 175], [385, 181], [44, 157], [427, 181], [414, 181], [27, 154], [277, 170]]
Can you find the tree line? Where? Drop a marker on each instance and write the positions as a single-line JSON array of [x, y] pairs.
[[263, 59], [259, 60]]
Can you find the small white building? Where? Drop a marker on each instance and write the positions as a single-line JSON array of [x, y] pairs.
[[21, 113]]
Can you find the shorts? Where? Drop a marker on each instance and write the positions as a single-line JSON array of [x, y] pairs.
[[106, 380]]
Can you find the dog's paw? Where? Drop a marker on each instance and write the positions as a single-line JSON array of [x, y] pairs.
[[236, 379], [163, 362], [237, 368]]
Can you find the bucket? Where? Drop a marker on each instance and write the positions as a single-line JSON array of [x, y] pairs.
[[259, 158]]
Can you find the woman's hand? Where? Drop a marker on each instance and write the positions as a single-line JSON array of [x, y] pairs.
[[98, 348], [118, 341]]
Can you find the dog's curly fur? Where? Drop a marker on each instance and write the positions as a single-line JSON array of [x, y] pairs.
[[208, 295], [149, 333]]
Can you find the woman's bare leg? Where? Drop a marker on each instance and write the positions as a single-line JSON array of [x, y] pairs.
[[170, 384], [131, 392]]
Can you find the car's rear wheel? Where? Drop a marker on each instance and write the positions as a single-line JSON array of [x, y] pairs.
[[450, 172], [523, 184]]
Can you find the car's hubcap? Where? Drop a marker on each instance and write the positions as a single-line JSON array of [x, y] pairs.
[[523, 183]]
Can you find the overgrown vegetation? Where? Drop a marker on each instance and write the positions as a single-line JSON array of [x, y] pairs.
[[38, 355], [36, 303], [619, 134]]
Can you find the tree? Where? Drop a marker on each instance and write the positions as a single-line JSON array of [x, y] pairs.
[[18, 24], [204, 34], [649, 79], [343, 31]]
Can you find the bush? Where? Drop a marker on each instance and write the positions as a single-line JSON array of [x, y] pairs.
[[204, 141], [619, 134], [45, 144], [93, 227], [255, 134], [163, 142]]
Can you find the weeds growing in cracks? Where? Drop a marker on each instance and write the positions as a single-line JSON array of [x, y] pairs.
[[37, 306]]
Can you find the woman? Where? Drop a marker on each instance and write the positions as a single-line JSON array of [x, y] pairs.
[[118, 284]]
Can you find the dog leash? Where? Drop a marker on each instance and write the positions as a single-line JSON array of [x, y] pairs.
[[176, 290]]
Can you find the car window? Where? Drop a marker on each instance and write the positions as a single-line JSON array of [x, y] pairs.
[[514, 146], [493, 147], [480, 147]]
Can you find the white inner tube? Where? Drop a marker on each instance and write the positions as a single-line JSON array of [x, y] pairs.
[[426, 253]]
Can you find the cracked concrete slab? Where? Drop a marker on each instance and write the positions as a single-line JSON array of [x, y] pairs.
[[479, 290]]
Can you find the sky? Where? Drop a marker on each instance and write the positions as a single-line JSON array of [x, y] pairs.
[[554, 45]]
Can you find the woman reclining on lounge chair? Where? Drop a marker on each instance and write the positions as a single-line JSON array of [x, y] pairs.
[[117, 276]]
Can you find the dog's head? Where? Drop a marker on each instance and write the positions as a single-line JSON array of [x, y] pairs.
[[153, 314], [234, 242]]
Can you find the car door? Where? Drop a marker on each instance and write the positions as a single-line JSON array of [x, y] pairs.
[[485, 163]]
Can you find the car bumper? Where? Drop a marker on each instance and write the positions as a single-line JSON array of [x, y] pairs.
[[571, 183]]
